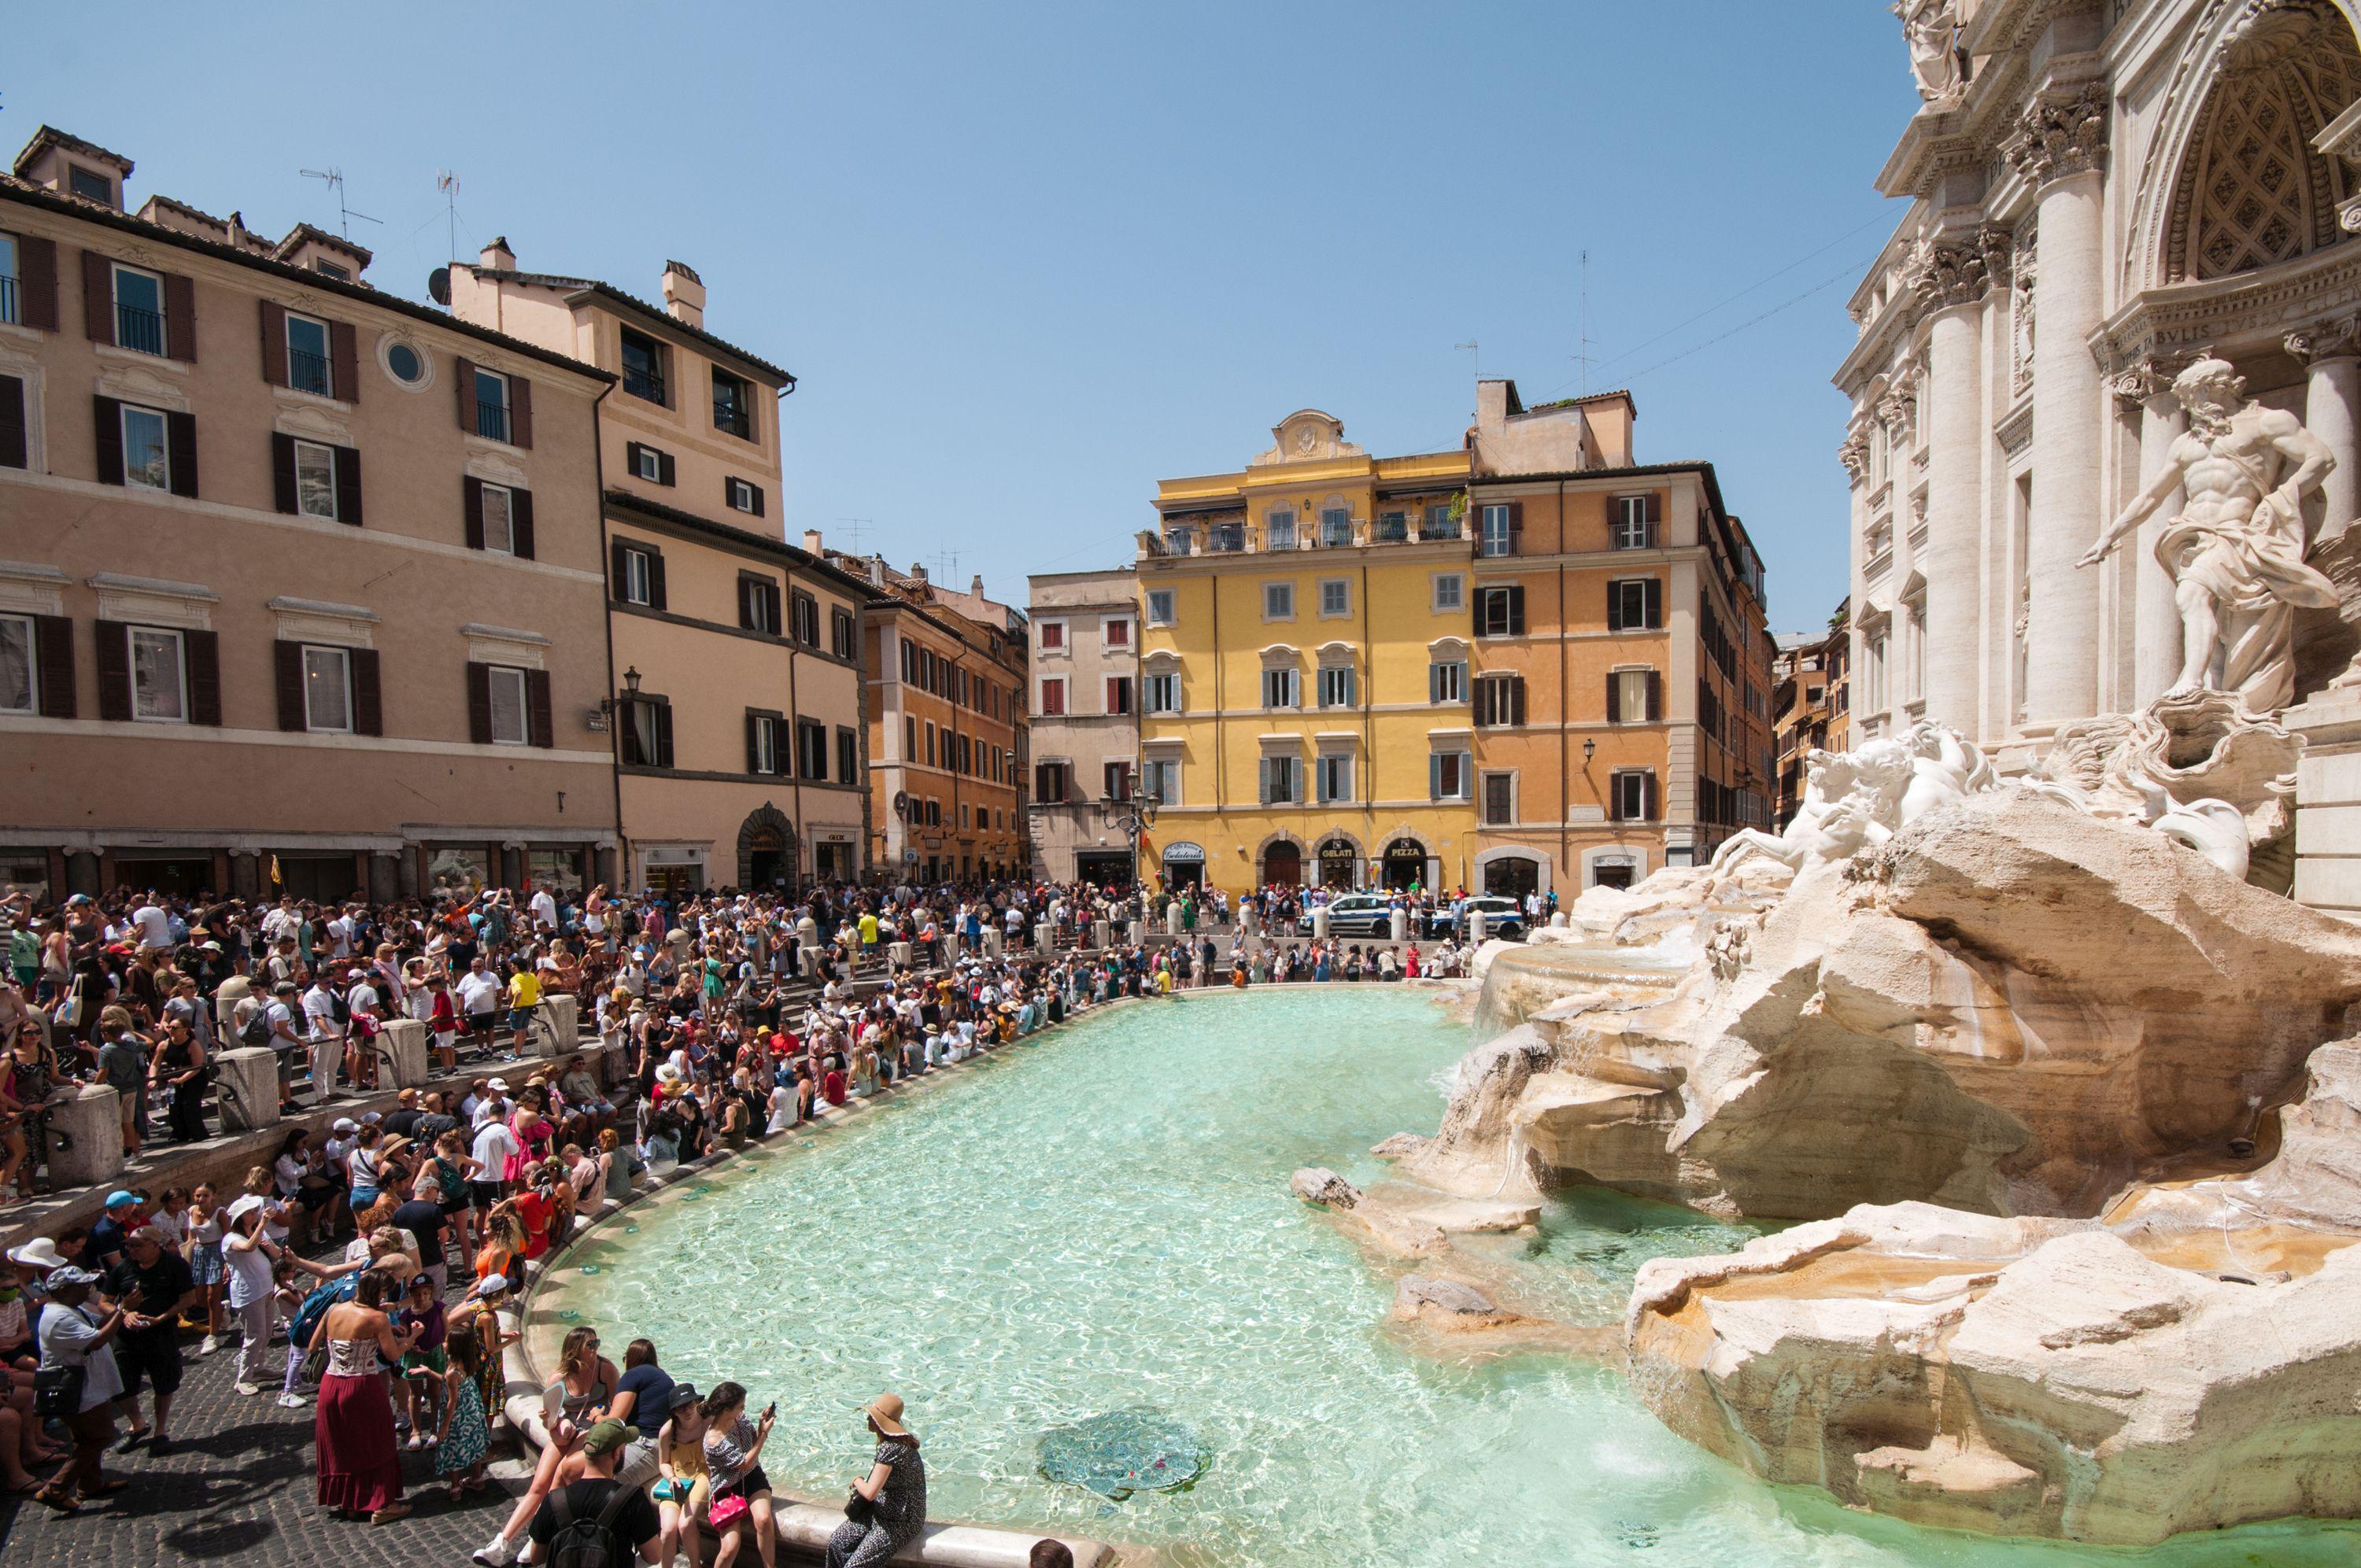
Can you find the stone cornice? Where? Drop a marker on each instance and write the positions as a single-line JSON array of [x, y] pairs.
[[2338, 338], [2246, 311]]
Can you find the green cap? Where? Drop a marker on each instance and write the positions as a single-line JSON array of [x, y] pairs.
[[605, 1437]]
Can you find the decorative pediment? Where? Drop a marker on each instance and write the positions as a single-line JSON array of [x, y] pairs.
[[1307, 435], [308, 421]]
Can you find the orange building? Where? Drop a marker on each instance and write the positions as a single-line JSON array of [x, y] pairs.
[[1620, 675]]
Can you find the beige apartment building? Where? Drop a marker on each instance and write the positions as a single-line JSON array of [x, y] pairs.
[[1085, 729], [739, 746], [302, 585]]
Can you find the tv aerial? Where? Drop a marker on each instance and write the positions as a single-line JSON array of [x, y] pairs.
[[334, 177]]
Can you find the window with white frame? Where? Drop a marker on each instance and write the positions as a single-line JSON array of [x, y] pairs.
[[1282, 780], [139, 309], [1160, 692], [1338, 688], [1336, 528], [1159, 780], [1283, 689], [1447, 775], [639, 567], [1629, 530], [1446, 681], [1494, 539], [1279, 531], [315, 480], [1632, 692], [310, 367], [1450, 592], [1630, 793], [764, 750], [146, 448], [1336, 598], [492, 405], [20, 682], [1333, 776], [160, 675], [647, 463], [511, 724], [742, 496], [499, 529], [328, 690], [1278, 601], [1159, 607]]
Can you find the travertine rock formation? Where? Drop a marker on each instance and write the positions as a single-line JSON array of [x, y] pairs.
[[2010, 1008], [2188, 1361]]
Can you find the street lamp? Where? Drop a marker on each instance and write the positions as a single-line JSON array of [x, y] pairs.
[[605, 712], [1589, 749], [1135, 816]]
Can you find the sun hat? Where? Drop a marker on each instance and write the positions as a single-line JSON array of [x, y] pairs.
[[683, 1396], [39, 1253], [886, 1412]]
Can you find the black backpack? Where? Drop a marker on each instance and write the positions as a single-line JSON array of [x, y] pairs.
[[256, 1031], [588, 1542]]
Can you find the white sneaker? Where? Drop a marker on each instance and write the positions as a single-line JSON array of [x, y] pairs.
[[213, 1343], [498, 1554], [249, 1389], [291, 1401]]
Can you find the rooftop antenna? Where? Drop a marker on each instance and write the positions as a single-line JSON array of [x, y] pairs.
[[334, 179], [447, 182], [947, 564], [1582, 344], [858, 523], [1474, 348]]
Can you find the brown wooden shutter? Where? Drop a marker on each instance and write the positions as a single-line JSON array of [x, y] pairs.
[[37, 282], [344, 360], [106, 425], [348, 486], [1517, 610], [745, 603], [1654, 597], [536, 695], [754, 742], [1614, 798], [1516, 699], [204, 677], [98, 296], [1516, 528], [467, 383], [618, 571], [1648, 796], [12, 445], [471, 494], [771, 603], [521, 412], [664, 735], [664, 468], [179, 317], [180, 442], [655, 580], [479, 703], [1655, 521], [521, 524], [1614, 606], [287, 678], [274, 349], [1614, 699], [368, 697], [282, 471], [53, 635], [1656, 696], [757, 490]]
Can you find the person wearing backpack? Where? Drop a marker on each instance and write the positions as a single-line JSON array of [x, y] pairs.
[[595, 1523]]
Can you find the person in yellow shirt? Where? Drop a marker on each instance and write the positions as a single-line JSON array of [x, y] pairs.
[[524, 996], [868, 933]]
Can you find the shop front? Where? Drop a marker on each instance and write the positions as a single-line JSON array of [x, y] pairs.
[[1184, 866]]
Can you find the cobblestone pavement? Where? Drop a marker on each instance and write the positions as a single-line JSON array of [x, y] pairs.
[[237, 1487]]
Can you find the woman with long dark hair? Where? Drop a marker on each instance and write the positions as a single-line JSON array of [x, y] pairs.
[[359, 1463]]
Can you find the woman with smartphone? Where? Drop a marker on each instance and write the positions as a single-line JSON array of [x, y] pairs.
[[733, 1459]]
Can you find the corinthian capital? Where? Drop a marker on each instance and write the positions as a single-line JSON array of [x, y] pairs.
[[2325, 340], [1952, 271], [2063, 132], [1854, 455]]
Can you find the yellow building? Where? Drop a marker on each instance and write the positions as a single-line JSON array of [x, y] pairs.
[[1304, 647]]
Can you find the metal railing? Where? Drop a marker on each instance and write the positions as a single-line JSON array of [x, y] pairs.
[[492, 421], [646, 384], [138, 329], [308, 372]]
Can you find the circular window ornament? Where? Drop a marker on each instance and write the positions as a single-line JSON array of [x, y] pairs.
[[405, 364]]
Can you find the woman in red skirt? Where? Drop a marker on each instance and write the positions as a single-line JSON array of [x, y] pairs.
[[360, 1466]]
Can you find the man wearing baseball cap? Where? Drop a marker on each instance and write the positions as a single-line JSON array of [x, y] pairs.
[[73, 1337], [123, 1214], [623, 1512]]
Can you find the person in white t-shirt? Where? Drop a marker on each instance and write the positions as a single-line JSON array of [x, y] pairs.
[[479, 997], [155, 925], [495, 1146], [545, 907], [326, 1036]]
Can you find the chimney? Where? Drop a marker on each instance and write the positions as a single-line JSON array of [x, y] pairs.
[[918, 571], [497, 256], [975, 585], [876, 571], [812, 544], [684, 294]]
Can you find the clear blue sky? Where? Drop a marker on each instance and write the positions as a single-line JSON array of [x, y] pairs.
[[1028, 259]]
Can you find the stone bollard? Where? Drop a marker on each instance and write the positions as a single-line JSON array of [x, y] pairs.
[[807, 932], [403, 1048], [808, 959], [248, 1089], [1100, 931], [1251, 918], [898, 955], [1320, 924], [1172, 918], [1476, 922], [1045, 935], [1557, 921], [1138, 932], [992, 942], [1400, 924], [558, 1032], [91, 1120]]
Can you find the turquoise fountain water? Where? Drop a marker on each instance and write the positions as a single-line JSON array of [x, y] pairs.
[[1100, 1221]]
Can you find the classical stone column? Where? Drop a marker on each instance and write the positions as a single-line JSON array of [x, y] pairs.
[[2155, 619], [2332, 410], [1951, 282], [2060, 149]]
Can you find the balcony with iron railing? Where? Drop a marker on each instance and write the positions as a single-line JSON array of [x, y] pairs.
[[309, 372], [645, 383], [138, 329], [492, 421]]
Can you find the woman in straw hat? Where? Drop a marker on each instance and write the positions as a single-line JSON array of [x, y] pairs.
[[888, 1507]]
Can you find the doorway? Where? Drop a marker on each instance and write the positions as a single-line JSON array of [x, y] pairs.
[[1404, 865], [1340, 864], [1611, 871], [1513, 876], [1282, 865], [185, 876]]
